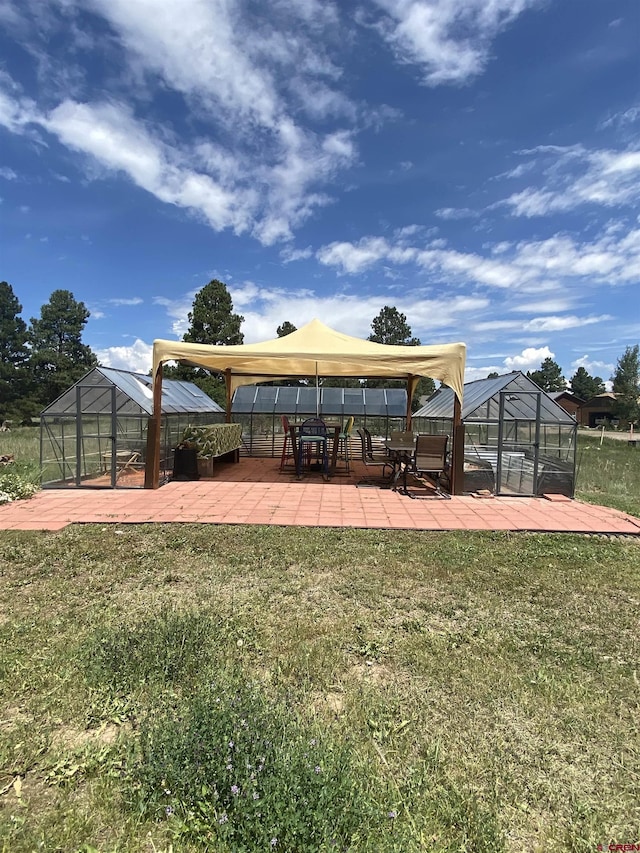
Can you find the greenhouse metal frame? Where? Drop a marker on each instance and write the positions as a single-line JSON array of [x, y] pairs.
[[259, 408], [517, 440], [95, 433]]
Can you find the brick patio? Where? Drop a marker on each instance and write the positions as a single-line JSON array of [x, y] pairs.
[[255, 491]]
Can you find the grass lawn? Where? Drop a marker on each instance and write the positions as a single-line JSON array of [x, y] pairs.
[[229, 688], [187, 688]]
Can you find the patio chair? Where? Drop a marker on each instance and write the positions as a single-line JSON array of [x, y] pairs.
[[287, 448], [373, 459], [313, 436], [131, 464], [344, 439], [429, 460]]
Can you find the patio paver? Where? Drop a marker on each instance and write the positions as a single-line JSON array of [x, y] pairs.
[[286, 502]]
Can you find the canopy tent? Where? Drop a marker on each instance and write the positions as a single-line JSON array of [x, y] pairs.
[[312, 350]]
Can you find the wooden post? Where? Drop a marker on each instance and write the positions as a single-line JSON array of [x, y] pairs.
[[227, 382], [410, 388], [457, 462], [152, 465]]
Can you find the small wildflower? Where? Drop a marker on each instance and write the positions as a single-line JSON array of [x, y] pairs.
[[393, 814], [318, 769], [312, 742], [169, 811], [229, 766], [167, 791], [235, 790], [274, 842], [231, 744], [223, 818]]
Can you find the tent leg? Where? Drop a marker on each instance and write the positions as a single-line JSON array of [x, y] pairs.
[[457, 461], [227, 383], [152, 464]]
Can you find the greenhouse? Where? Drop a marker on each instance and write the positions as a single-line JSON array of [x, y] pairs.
[[517, 439], [260, 408], [95, 433]]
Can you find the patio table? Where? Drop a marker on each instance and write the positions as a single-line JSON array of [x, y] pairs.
[[400, 453], [294, 430]]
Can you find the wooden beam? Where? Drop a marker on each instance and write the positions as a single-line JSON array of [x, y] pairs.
[[457, 461], [154, 429]]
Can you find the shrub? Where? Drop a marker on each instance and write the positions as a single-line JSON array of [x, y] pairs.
[[15, 485]]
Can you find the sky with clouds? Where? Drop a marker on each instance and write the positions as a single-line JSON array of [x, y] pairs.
[[474, 163]]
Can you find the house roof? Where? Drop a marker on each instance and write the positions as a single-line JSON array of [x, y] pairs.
[[134, 395], [481, 401]]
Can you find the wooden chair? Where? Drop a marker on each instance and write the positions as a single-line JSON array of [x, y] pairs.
[[344, 439], [287, 448]]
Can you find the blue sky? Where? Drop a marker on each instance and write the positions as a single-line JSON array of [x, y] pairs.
[[474, 163]]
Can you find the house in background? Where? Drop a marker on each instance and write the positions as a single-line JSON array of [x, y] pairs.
[[598, 411], [569, 402]]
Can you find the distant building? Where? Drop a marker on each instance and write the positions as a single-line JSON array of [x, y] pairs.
[[598, 411], [569, 402]]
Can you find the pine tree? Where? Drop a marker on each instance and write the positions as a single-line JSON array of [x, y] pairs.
[[211, 322], [58, 356], [549, 377], [13, 352], [390, 327], [626, 386], [585, 386]]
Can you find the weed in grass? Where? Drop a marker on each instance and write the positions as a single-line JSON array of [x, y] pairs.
[[234, 766]]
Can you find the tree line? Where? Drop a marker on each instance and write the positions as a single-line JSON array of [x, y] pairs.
[[40, 360]]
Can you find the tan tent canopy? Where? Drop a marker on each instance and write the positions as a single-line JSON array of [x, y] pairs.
[[313, 350], [317, 349]]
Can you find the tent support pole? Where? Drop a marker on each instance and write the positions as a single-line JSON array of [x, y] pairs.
[[152, 465], [227, 383], [410, 379], [457, 461]]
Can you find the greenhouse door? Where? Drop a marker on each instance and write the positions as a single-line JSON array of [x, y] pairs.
[[518, 443], [96, 424]]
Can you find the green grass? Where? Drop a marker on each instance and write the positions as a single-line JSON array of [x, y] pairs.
[[458, 692], [608, 473]]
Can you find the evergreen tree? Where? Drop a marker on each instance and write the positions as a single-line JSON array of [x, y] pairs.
[[58, 356], [626, 386], [285, 329], [549, 377], [13, 353], [390, 327], [211, 322], [585, 386]]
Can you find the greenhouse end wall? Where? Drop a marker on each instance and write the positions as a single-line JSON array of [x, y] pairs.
[[81, 451]]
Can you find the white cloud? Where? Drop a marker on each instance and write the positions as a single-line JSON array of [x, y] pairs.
[[449, 39], [456, 213], [577, 176], [134, 300], [8, 174], [529, 359], [558, 324], [136, 357], [602, 369]]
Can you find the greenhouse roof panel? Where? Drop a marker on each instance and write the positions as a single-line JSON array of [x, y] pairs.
[[134, 395], [306, 400], [481, 401]]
